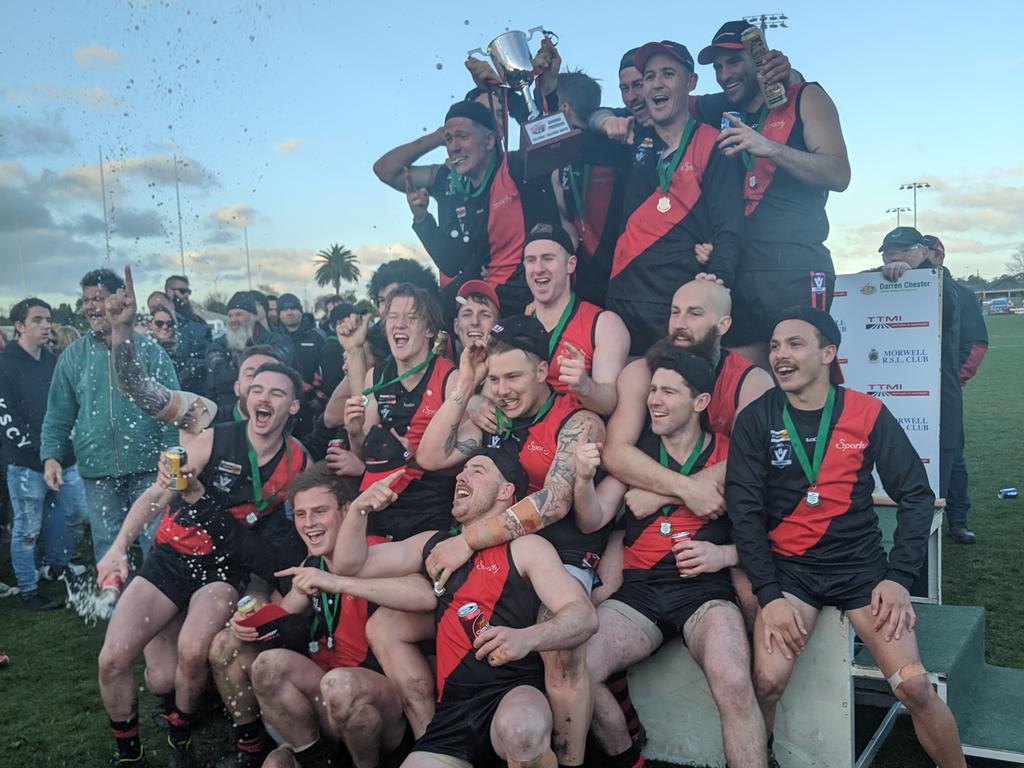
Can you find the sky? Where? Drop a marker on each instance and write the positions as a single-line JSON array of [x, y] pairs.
[[277, 111]]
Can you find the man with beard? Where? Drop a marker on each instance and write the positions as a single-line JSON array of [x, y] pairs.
[[485, 207], [587, 346], [242, 331], [115, 442], [793, 156], [799, 490], [680, 191], [489, 699], [186, 589], [307, 342], [543, 427], [305, 674], [194, 333], [661, 547]]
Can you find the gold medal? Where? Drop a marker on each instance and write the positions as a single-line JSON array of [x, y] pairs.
[[664, 204]]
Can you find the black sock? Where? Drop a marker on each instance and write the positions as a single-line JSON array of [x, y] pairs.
[[179, 730], [251, 737], [126, 732], [618, 685], [631, 758], [316, 755]]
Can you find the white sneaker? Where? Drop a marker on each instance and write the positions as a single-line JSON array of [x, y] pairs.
[[45, 572], [8, 591]]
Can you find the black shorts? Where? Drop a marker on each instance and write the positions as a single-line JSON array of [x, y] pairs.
[[462, 722], [847, 590], [647, 322], [180, 576], [758, 297], [668, 605]]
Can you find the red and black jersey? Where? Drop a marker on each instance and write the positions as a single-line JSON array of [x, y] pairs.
[[786, 224], [482, 237], [581, 332], [655, 254], [503, 598], [648, 549], [424, 500], [730, 373], [774, 526], [227, 478], [536, 446]]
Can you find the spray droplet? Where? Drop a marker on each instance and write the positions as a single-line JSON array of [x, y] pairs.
[[439, 65]]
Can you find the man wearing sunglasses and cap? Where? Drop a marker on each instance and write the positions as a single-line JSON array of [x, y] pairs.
[[484, 206], [793, 156], [799, 492]]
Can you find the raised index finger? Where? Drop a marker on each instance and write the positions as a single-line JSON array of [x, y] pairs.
[[573, 350], [129, 284], [390, 479], [287, 571]]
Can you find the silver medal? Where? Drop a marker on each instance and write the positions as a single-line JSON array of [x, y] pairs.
[[664, 204], [813, 498], [454, 233], [438, 589], [251, 518], [314, 647], [753, 181], [465, 238], [666, 528], [330, 642]]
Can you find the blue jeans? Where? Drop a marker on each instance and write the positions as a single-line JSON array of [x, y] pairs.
[[958, 503], [59, 516], [109, 499]]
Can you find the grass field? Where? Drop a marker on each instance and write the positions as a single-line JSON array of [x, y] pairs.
[[50, 712]]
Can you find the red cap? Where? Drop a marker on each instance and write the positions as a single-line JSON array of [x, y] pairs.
[[480, 287]]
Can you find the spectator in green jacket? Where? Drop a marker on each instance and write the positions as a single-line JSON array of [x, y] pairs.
[[116, 444]]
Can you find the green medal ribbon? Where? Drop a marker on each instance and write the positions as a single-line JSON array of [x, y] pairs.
[[666, 169], [579, 195], [811, 470], [464, 185], [330, 612], [254, 470], [757, 125], [685, 468], [506, 426], [556, 334], [411, 372]]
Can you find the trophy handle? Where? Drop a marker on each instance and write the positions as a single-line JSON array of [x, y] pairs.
[[530, 32], [483, 54]]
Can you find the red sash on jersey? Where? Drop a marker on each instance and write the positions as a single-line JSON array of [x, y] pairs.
[[580, 332], [803, 528], [275, 486], [591, 221], [731, 374], [506, 227], [646, 225], [778, 125]]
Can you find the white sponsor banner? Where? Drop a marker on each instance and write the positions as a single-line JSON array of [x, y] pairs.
[[892, 349]]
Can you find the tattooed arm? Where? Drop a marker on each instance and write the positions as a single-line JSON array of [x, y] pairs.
[[450, 438]]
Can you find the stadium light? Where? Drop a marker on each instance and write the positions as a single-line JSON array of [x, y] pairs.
[[916, 185], [767, 20], [898, 210]]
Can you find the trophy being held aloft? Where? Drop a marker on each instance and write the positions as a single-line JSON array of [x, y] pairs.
[[548, 141]]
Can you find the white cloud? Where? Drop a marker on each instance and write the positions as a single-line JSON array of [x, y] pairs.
[[95, 55], [288, 146], [234, 215]]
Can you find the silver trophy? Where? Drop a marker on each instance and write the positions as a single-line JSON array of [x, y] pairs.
[[510, 53]]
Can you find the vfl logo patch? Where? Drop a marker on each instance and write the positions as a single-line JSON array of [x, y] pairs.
[[494, 441], [782, 455], [225, 474]]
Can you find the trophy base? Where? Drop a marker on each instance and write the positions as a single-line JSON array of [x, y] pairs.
[[548, 145]]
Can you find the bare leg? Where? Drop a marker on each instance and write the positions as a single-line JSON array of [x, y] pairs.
[[287, 686], [618, 645], [717, 639], [231, 665], [365, 712], [161, 654], [933, 722], [141, 613], [521, 729], [393, 636], [208, 611], [745, 592], [771, 669], [572, 700], [609, 568]]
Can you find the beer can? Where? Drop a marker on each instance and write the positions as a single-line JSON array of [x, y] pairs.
[[339, 442], [473, 620], [176, 458], [726, 125], [753, 40], [679, 537], [113, 583], [1008, 493], [247, 606]]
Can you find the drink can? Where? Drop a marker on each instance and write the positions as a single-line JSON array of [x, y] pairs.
[[726, 125], [176, 458], [678, 537], [5, 660], [473, 620], [112, 583], [339, 442], [753, 40], [247, 606], [1007, 493]]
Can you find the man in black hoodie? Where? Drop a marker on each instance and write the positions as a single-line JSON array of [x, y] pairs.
[[26, 369], [308, 341], [194, 333]]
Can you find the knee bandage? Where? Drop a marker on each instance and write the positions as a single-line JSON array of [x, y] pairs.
[[904, 673]]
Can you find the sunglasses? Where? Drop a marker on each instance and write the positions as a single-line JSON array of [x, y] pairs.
[[163, 323], [186, 291]]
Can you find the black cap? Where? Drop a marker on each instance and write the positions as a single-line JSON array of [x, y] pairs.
[[675, 50], [340, 311], [902, 237], [288, 301], [727, 38], [242, 300], [825, 325], [628, 59], [472, 110], [695, 370], [553, 232], [522, 332], [508, 465]]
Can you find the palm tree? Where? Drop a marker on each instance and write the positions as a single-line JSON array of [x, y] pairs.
[[335, 265]]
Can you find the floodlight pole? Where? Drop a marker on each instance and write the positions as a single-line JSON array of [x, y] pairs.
[[915, 185]]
